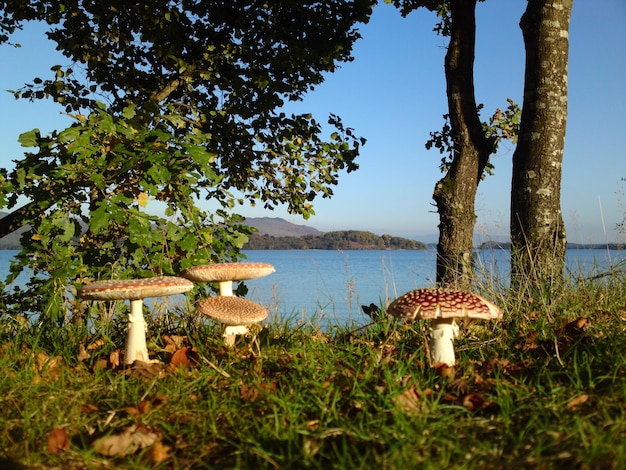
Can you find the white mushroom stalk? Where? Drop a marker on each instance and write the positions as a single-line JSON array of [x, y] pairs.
[[231, 332], [442, 335], [441, 307], [136, 348], [226, 288], [135, 290]]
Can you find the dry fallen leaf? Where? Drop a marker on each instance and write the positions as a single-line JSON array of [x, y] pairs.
[[409, 401], [97, 344], [145, 369], [114, 359], [185, 357], [46, 366], [577, 401], [474, 401], [130, 440], [82, 355], [139, 410], [58, 441], [575, 327], [44, 362], [159, 452], [249, 394], [88, 408], [173, 342], [311, 447], [530, 342], [444, 370]]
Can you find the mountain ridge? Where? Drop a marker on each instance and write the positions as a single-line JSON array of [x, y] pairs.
[[279, 227]]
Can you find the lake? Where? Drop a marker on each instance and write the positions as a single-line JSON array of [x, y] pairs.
[[330, 286]]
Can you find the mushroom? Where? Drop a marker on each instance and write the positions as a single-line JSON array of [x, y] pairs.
[[235, 313], [135, 290], [226, 273], [441, 307]]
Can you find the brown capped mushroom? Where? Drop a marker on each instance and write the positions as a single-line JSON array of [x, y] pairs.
[[135, 290], [235, 313], [441, 307], [226, 273]]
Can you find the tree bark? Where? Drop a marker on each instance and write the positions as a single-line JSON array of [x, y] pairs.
[[537, 229], [455, 193]]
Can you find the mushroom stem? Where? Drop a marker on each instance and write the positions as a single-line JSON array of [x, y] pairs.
[[231, 332], [442, 334], [136, 349], [226, 288]]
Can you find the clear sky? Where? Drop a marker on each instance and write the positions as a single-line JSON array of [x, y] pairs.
[[393, 94]]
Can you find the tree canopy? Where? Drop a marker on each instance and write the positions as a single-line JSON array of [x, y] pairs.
[[175, 102]]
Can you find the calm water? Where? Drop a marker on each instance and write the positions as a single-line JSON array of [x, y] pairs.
[[331, 286]]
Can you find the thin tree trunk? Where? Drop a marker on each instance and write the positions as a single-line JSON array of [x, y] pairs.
[[537, 230], [455, 193]]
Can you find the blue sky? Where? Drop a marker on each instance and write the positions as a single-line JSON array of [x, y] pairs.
[[393, 94]]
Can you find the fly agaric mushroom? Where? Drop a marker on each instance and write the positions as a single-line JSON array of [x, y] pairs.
[[226, 273], [235, 313], [441, 307], [135, 290]]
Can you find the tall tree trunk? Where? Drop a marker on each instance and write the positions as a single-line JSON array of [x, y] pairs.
[[537, 230], [454, 194]]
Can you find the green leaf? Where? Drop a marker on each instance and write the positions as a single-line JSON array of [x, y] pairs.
[[30, 138], [99, 219]]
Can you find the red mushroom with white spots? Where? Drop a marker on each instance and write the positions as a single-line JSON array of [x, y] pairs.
[[441, 307], [135, 290]]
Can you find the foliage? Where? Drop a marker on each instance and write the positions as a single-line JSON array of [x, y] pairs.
[[337, 240], [173, 103], [544, 389], [502, 125], [441, 7]]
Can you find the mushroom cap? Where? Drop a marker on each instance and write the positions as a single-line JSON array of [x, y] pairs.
[[232, 310], [437, 303], [227, 272], [135, 289]]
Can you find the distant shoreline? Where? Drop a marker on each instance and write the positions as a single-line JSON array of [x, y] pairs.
[[275, 233]]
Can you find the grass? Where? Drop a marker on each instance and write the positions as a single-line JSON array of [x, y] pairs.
[[546, 388]]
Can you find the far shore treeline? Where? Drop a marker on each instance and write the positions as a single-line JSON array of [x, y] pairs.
[[346, 240], [339, 240]]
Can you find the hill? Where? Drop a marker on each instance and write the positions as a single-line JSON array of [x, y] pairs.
[[277, 227], [12, 240], [275, 233]]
